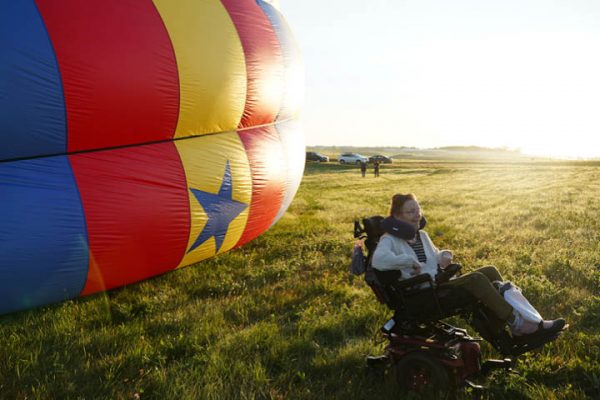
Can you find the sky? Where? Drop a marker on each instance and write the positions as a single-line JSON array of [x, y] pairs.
[[429, 73]]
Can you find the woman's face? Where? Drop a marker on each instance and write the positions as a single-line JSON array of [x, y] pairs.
[[411, 213]]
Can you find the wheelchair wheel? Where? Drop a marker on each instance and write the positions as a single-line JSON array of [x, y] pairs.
[[422, 374]]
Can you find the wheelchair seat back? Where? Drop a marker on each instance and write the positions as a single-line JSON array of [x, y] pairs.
[[371, 232], [415, 298], [372, 229]]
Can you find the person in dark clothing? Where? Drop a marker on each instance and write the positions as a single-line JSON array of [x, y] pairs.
[[363, 168], [376, 168]]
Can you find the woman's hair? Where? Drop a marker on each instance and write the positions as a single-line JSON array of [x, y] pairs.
[[398, 201]]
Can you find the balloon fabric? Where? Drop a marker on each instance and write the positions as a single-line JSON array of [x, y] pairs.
[[138, 137]]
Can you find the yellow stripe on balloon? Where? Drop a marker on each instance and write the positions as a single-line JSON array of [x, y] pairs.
[[211, 65], [204, 160]]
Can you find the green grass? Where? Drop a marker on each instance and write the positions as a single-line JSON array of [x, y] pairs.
[[281, 318]]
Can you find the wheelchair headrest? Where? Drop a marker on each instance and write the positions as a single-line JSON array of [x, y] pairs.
[[372, 226], [377, 225], [401, 229]]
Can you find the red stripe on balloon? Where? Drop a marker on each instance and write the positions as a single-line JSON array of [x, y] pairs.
[[268, 168], [264, 62], [136, 206], [118, 70]]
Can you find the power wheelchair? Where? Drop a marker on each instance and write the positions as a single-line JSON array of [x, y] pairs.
[[424, 353]]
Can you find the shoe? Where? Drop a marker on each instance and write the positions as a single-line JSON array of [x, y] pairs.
[[557, 325]]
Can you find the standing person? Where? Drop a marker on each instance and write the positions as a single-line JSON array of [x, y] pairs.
[[376, 168], [363, 168], [420, 256]]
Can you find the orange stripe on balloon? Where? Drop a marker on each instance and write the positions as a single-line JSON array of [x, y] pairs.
[[292, 142], [268, 166], [264, 62]]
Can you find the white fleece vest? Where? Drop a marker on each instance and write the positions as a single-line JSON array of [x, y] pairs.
[[393, 253]]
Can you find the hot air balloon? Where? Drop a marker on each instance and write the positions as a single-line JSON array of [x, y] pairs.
[[138, 137]]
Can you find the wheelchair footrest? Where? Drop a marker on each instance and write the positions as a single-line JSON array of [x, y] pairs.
[[528, 343], [378, 361], [474, 386], [490, 365]]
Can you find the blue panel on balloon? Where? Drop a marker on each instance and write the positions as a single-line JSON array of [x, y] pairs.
[[282, 30], [43, 239], [286, 42], [32, 106]]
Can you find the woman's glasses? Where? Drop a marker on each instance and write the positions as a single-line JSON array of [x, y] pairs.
[[417, 211]]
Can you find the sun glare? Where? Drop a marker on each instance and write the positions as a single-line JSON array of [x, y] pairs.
[[492, 74], [563, 150]]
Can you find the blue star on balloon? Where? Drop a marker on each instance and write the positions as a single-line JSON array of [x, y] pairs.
[[220, 209]]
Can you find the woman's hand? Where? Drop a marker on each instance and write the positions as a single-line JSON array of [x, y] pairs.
[[416, 269], [445, 258]]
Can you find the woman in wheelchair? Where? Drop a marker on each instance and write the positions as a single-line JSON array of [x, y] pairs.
[[401, 258]]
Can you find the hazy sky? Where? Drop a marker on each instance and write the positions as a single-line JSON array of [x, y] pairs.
[[429, 73]]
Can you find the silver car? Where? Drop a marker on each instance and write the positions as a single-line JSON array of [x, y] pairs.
[[352, 158]]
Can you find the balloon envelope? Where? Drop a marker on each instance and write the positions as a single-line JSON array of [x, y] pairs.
[[137, 137]]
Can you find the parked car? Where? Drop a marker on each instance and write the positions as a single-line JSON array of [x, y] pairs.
[[314, 156], [380, 159], [352, 158]]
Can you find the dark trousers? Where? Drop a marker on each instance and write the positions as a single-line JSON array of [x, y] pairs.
[[479, 284]]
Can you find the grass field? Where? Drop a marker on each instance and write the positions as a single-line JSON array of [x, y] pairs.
[[281, 318]]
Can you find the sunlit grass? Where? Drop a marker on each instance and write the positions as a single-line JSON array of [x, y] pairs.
[[281, 318]]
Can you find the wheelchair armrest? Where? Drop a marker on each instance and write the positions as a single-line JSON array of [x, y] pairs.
[[414, 282], [447, 273], [416, 297]]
